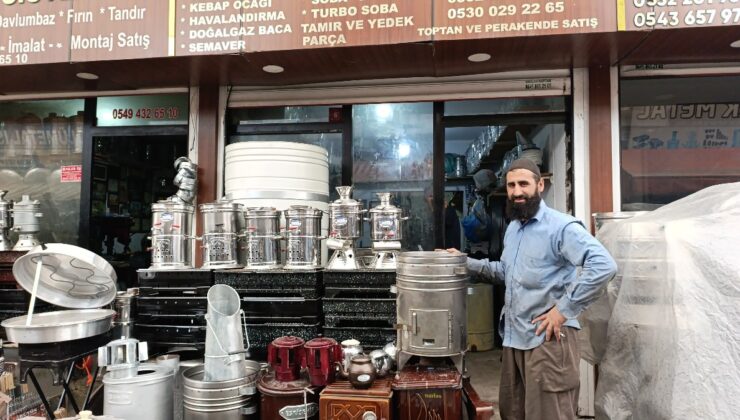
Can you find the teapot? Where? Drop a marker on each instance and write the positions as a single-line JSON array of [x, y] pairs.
[[382, 362], [361, 372]]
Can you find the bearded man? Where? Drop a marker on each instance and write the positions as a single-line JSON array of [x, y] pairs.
[[545, 293]]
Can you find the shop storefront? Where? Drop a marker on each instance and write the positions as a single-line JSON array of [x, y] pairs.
[[626, 106]]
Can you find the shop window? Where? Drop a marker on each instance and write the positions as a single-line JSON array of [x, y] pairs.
[[41, 156], [677, 136], [392, 152]]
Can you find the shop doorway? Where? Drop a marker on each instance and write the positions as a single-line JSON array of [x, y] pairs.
[[129, 173]]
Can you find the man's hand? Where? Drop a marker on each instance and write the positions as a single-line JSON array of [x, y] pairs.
[[551, 323], [450, 250]]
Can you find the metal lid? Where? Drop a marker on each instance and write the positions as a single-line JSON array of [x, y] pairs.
[[320, 342], [71, 277], [221, 206], [262, 212], [432, 257], [345, 202], [26, 204], [287, 341], [302, 211], [385, 206], [164, 205]]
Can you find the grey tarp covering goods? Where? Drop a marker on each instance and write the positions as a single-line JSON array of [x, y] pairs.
[[666, 335]]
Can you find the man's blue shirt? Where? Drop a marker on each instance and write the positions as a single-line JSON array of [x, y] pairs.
[[539, 266]]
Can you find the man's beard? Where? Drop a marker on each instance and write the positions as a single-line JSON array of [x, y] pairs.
[[525, 210]]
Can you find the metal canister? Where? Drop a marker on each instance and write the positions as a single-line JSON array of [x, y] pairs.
[[303, 237], [222, 224], [123, 322], [385, 220], [146, 395], [431, 303], [171, 240], [5, 221], [220, 400], [26, 214], [262, 237], [345, 216]]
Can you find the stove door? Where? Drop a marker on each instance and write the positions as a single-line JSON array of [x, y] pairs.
[[430, 329]]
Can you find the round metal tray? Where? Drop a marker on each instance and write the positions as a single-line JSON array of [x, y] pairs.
[[71, 277], [51, 327]]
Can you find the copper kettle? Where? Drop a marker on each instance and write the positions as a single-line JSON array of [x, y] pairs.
[[361, 372]]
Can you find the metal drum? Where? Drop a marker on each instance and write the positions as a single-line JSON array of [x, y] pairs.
[[345, 216], [222, 224], [171, 240], [262, 237], [385, 220], [431, 303], [221, 400], [147, 395], [26, 214], [303, 237], [5, 222]]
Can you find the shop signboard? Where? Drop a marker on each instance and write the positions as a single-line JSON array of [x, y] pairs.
[[34, 32], [635, 15], [117, 29], [265, 25], [469, 19]]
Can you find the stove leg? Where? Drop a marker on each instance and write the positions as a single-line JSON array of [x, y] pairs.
[[67, 378], [40, 392], [90, 389], [70, 397]]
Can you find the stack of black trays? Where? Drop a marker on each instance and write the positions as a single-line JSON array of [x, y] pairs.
[[358, 304], [171, 308], [276, 303]]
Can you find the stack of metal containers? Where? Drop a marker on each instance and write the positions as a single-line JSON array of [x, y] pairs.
[[358, 303]]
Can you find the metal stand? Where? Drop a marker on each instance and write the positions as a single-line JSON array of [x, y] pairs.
[[66, 392], [343, 259]]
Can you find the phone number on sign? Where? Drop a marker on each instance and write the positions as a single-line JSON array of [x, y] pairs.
[[691, 18], [667, 3], [160, 113]]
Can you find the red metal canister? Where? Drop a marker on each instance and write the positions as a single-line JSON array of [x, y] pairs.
[[321, 354], [287, 399], [284, 354]]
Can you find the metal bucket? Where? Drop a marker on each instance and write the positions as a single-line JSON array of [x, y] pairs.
[[171, 240], [223, 221], [222, 400], [431, 303], [172, 361], [303, 237], [262, 237], [225, 353], [147, 395]]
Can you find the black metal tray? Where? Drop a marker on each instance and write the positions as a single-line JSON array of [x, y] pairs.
[[175, 278], [359, 278], [336, 306]]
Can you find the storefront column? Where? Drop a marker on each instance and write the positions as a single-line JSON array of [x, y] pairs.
[[601, 117], [204, 123]]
